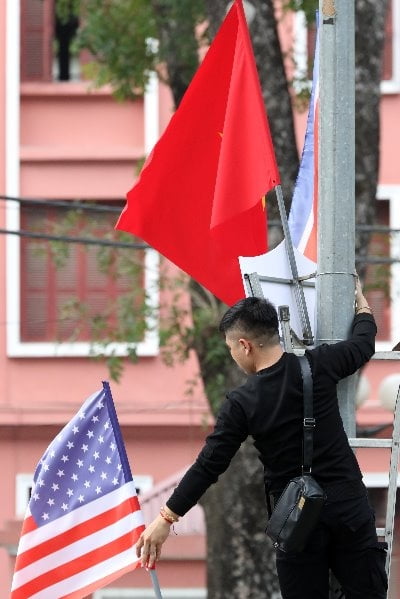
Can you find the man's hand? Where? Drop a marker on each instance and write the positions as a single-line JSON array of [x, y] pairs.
[[361, 301], [148, 547]]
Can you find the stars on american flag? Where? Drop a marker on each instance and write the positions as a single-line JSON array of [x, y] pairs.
[[80, 465]]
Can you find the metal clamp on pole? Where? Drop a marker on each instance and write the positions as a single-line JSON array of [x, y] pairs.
[[284, 319]]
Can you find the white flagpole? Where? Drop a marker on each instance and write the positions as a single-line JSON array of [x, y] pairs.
[[156, 586]]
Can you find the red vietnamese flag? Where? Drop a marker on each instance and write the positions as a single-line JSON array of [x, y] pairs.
[[198, 198]]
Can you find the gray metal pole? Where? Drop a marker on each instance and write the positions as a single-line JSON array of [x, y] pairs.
[[156, 585], [336, 204]]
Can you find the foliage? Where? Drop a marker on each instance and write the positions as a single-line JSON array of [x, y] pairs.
[[121, 38], [127, 39], [117, 35], [124, 319], [66, 8], [309, 8]]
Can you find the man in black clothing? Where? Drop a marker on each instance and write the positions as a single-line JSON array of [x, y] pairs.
[[269, 407]]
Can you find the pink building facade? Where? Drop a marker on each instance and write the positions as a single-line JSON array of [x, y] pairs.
[[61, 140]]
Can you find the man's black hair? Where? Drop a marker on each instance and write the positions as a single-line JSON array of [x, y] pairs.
[[252, 315]]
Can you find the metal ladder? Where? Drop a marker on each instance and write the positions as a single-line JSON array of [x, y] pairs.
[[292, 344], [394, 445]]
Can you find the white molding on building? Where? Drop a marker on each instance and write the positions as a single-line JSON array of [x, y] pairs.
[[392, 193], [23, 487]]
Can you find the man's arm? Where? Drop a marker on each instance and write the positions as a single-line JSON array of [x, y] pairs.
[[221, 445]]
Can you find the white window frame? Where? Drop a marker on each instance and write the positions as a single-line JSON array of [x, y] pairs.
[[392, 193], [23, 483], [143, 593], [389, 86], [16, 348]]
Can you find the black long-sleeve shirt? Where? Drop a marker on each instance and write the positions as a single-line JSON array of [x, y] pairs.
[[269, 407]]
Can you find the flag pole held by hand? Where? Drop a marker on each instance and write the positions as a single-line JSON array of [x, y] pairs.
[[156, 586]]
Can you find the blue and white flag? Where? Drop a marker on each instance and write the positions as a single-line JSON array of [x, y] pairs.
[[303, 213]]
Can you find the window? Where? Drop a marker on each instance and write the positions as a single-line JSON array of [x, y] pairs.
[[65, 65], [386, 298], [47, 289], [63, 301], [47, 48]]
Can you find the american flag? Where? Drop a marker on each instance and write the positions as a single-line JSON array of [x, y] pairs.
[[303, 212], [83, 518]]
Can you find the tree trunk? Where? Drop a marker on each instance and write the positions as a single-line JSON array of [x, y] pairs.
[[240, 556], [370, 21]]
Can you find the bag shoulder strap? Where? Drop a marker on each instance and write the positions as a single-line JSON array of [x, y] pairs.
[[308, 418]]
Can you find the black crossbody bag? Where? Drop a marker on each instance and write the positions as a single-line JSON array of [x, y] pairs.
[[297, 511]]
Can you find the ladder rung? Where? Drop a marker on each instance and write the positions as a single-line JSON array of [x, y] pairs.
[[361, 442], [380, 532]]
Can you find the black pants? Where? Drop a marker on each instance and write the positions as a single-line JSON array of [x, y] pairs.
[[345, 542]]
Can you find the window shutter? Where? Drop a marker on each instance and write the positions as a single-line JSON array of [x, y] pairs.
[[37, 17], [387, 72], [46, 289]]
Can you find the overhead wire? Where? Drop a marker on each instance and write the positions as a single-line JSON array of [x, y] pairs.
[[92, 206]]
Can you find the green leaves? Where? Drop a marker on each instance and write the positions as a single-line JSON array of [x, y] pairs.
[[309, 7], [127, 39]]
